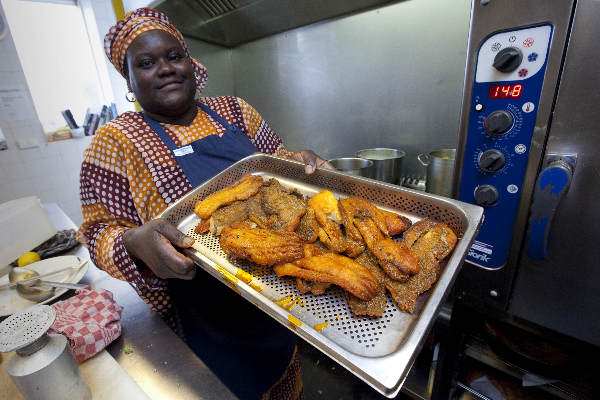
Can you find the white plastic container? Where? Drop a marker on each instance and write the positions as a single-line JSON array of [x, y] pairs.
[[23, 226]]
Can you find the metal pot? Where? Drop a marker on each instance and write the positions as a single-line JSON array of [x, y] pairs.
[[440, 171], [387, 163], [352, 165]]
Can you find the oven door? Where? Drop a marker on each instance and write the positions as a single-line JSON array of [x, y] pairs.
[[558, 274]]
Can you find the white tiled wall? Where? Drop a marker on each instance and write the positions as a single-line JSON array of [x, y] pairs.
[[50, 171]]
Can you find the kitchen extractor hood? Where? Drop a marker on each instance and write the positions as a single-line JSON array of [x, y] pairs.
[[232, 22]]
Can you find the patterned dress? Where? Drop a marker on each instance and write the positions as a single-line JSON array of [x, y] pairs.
[[128, 176]]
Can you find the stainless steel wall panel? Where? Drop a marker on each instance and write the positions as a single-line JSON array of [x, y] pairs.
[[390, 77], [217, 60]]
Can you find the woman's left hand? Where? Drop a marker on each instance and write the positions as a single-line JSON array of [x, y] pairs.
[[311, 160]]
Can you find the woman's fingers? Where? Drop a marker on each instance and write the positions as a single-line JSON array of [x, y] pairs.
[[324, 163], [311, 161], [174, 264], [173, 234]]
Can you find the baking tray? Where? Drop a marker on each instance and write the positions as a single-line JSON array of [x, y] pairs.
[[379, 351]]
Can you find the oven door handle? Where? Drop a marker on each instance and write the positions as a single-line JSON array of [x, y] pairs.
[[551, 185]]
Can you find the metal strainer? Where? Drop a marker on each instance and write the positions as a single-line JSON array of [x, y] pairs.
[[25, 331]]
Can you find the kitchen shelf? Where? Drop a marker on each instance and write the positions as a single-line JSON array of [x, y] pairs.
[[563, 389]]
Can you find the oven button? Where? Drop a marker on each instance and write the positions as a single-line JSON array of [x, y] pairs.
[[491, 160], [508, 59], [486, 195], [498, 122]]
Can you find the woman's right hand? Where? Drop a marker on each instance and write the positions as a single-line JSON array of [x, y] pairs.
[[154, 244]]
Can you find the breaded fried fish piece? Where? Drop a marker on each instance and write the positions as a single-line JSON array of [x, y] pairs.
[[439, 241], [248, 186], [286, 206], [357, 207], [376, 306], [328, 215], [417, 230], [308, 229], [316, 288], [225, 216], [396, 223], [261, 246], [333, 268], [397, 260], [405, 294], [431, 242]]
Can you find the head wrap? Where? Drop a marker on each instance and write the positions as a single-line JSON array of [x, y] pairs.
[[121, 35]]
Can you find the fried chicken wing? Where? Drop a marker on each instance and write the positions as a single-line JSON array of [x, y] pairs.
[[246, 187], [333, 268], [329, 218], [376, 306], [261, 246], [285, 205]]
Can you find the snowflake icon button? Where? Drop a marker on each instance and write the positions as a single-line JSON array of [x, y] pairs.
[[523, 72], [532, 57]]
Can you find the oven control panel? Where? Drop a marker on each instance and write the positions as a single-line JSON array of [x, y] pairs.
[[506, 93]]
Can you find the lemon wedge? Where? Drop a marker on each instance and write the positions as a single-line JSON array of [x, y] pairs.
[[28, 258]]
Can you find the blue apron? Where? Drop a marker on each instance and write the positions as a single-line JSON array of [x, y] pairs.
[[243, 346]]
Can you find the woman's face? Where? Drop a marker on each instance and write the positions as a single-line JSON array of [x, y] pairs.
[[160, 74]]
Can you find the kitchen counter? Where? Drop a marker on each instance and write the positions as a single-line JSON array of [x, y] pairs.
[[159, 361]]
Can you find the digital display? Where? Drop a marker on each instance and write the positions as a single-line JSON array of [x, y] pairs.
[[505, 91]]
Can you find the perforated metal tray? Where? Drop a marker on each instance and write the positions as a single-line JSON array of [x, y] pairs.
[[380, 351]]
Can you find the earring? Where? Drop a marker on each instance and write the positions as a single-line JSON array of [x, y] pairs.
[[130, 97]]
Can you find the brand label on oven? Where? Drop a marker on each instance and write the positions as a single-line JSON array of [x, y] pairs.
[[481, 251]]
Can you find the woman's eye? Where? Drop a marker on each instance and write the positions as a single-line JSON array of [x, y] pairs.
[[175, 56], [145, 63]]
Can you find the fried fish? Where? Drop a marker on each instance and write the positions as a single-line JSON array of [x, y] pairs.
[[333, 268], [261, 246], [248, 186]]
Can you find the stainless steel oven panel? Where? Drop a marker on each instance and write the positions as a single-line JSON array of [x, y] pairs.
[[561, 291]]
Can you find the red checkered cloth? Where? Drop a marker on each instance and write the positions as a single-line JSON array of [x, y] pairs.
[[90, 320]]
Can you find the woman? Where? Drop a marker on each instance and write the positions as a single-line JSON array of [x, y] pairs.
[[139, 163]]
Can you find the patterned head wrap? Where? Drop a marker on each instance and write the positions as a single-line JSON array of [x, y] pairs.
[[120, 36]]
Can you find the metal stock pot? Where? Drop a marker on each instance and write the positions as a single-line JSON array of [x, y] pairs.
[[387, 163], [440, 171], [352, 165]]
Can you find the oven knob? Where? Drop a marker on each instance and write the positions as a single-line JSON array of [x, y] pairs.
[[508, 59], [498, 122], [486, 195], [491, 160]]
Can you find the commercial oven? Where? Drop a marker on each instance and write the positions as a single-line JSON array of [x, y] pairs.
[[528, 152]]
